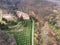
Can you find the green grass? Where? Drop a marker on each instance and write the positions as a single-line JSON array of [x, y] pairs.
[[23, 37]]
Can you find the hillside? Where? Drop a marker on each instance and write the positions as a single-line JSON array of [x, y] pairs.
[[36, 6], [30, 22]]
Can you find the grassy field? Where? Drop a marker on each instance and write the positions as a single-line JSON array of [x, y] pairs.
[[23, 35]]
